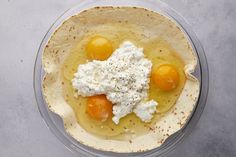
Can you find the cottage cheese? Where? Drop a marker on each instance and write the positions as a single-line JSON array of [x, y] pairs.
[[124, 78]]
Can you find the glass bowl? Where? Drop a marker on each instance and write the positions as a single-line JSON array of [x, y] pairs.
[[55, 123]]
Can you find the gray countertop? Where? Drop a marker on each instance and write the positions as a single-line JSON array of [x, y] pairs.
[[23, 24]]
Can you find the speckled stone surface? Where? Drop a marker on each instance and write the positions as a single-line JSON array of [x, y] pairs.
[[23, 24]]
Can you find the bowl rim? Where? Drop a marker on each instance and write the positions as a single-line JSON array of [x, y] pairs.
[[177, 137]]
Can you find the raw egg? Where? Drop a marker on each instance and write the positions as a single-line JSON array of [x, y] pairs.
[[99, 108], [165, 77], [99, 48]]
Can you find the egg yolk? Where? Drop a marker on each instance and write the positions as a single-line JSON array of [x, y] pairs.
[[166, 77], [99, 48], [99, 108]]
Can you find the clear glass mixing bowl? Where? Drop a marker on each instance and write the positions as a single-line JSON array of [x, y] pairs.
[[54, 122]]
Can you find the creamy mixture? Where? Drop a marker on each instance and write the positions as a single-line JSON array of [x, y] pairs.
[[123, 78]]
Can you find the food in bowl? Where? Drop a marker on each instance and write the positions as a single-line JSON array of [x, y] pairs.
[[120, 78], [123, 78]]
